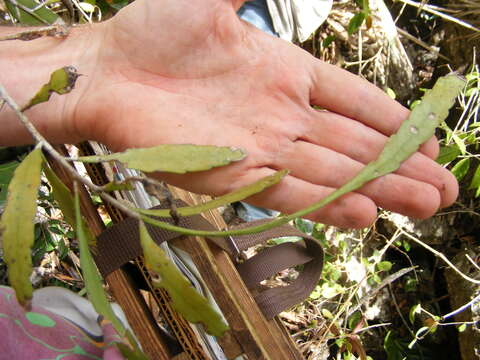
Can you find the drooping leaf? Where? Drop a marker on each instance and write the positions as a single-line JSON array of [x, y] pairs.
[[418, 128], [41, 16], [62, 81], [185, 299], [234, 196], [414, 310], [177, 159], [17, 225], [92, 278], [62, 195], [93, 282], [461, 168], [447, 154]]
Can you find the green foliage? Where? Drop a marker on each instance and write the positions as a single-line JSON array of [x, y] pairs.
[[17, 225], [62, 195], [459, 149], [448, 153], [6, 174], [461, 168], [185, 299], [355, 23], [177, 159], [23, 12], [357, 20]]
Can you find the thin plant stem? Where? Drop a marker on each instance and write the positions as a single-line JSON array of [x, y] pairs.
[[440, 255]]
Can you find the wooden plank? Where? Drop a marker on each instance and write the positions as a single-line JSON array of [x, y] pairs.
[[259, 338], [182, 330], [132, 304]]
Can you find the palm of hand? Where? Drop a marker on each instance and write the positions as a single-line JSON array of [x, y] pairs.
[[204, 77]]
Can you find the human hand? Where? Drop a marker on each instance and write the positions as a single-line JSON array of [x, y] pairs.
[[192, 72]]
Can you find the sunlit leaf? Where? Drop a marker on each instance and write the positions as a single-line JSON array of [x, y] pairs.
[[234, 196], [391, 93], [62, 81], [384, 265], [17, 224], [185, 299], [327, 314], [355, 22], [173, 158], [461, 168], [328, 40], [42, 16], [354, 319], [448, 153], [462, 328], [460, 143], [414, 310]]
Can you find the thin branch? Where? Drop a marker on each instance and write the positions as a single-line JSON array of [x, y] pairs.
[[57, 31], [422, 44], [462, 308], [431, 10], [472, 262], [440, 255], [28, 11], [41, 141]]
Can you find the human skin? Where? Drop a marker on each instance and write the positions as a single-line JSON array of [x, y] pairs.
[[190, 71]]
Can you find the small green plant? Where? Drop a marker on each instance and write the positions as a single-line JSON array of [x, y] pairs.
[[460, 146]]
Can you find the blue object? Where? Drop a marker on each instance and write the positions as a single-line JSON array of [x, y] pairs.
[[256, 13]]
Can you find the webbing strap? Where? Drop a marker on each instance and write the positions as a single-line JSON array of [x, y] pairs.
[[120, 244]]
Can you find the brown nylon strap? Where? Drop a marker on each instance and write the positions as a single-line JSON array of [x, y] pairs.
[[120, 244], [260, 266], [246, 241], [275, 300]]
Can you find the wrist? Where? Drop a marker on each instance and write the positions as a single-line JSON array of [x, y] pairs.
[[26, 66]]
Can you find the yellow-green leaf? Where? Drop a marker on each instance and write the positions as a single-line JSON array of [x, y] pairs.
[[229, 198], [173, 158], [93, 280], [62, 81], [41, 16], [94, 284], [62, 195], [185, 299], [17, 224]]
